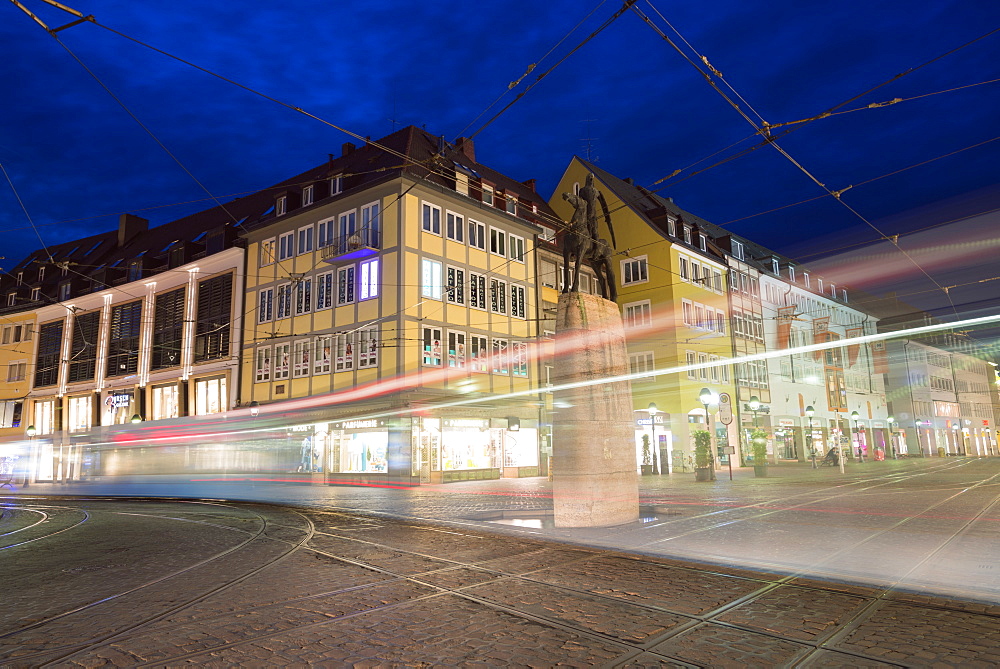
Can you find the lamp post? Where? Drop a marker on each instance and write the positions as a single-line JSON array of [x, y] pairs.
[[754, 405], [656, 448], [809, 416], [136, 419], [31, 432], [707, 397], [917, 425], [892, 435], [254, 408], [857, 433]]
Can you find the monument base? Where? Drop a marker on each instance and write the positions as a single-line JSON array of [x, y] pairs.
[[594, 480]]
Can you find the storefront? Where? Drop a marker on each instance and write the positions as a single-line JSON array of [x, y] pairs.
[[119, 407], [210, 395], [652, 443], [81, 412], [465, 449], [352, 447], [164, 401], [786, 439]]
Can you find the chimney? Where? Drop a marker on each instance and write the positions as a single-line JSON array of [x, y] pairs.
[[130, 226], [346, 149], [466, 147], [530, 183], [630, 181]]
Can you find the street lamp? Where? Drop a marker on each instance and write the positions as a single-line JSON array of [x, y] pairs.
[[31, 432], [707, 397], [892, 435], [652, 426], [855, 416], [254, 408], [809, 416], [136, 419], [754, 405]]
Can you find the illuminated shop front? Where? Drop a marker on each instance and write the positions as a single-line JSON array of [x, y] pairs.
[[119, 407], [165, 402], [210, 395], [461, 449], [81, 413], [355, 446]]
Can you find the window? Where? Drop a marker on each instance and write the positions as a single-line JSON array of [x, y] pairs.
[[324, 290], [369, 279], [511, 204], [637, 314], [687, 234], [703, 365], [83, 347], [20, 278], [431, 218], [791, 273], [337, 184], [214, 315], [699, 316], [717, 280], [262, 366], [284, 300], [36, 293], [168, 328], [640, 363], [702, 242], [519, 359], [371, 224], [549, 270], [738, 250], [348, 223], [123, 344], [516, 248], [500, 358], [477, 235], [16, 371], [321, 354], [285, 249], [682, 264], [480, 353], [775, 267], [265, 305], [267, 252], [634, 271], [687, 312], [303, 296], [432, 346], [10, 299], [477, 291], [325, 233], [47, 358], [498, 242], [307, 195], [498, 296], [695, 272], [305, 240], [488, 194], [430, 279], [345, 285], [41, 274], [689, 360], [282, 362], [517, 299], [281, 206], [671, 227], [456, 285], [714, 371], [344, 345], [805, 278], [456, 349], [455, 226], [819, 285], [368, 346]]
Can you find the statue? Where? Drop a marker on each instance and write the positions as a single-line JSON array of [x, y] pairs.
[[582, 242]]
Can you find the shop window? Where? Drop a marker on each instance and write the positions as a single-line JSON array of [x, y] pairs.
[[210, 396], [322, 355], [345, 351], [300, 358], [165, 402], [456, 349], [432, 346], [517, 300], [368, 346], [282, 361], [262, 368], [80, 413], [480, 353]]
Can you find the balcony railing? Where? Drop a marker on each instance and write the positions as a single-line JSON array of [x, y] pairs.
[[357, 245]]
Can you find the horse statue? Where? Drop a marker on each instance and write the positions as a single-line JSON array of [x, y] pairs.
[[577, 242], [600, 260]]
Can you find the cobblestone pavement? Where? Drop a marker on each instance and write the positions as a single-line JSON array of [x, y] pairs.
[[94, 582]]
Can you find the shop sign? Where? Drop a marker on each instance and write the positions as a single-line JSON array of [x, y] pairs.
[[368, 424], [649, 421], [725, 409], [119, 400], [877, 423], [478, 423], [786, 422]]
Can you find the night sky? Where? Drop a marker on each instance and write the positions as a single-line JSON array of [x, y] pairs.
[[626, 99]]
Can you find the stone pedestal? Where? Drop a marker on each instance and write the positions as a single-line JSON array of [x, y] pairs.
[[593, 442]]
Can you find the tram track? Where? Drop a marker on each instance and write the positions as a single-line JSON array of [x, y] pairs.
[[62, 653]]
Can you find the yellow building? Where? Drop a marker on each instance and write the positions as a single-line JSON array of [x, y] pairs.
[[390, 284], [673, 295]]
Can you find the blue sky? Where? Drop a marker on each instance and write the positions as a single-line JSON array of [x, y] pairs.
[[78, 160]]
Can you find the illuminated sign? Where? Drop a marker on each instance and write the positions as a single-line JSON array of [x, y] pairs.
[[360, 424], [119, 400], [467, 422]]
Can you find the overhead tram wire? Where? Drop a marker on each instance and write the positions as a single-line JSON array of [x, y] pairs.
[[531, 68], [763, 129], [624, 8], [25, 210]]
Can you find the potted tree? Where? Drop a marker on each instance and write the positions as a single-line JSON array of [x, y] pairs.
[[647, 456], [703, 455], [758, 446]]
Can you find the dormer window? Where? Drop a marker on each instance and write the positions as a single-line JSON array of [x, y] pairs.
[[702, 242], [511, 204], [337, 184], [487, 194], [20, 278], [281, 206], [10, 299], [843, 295], [775, 267], [41, 273], [791, 273], [36, 294], [64, 291], [65, 270], [819, 285], [671, 227], [738, 250], [833, 291], [307, 195], [687, 234], [805, 278]]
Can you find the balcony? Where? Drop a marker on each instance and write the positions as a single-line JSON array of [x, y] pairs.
[[360, 244]]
